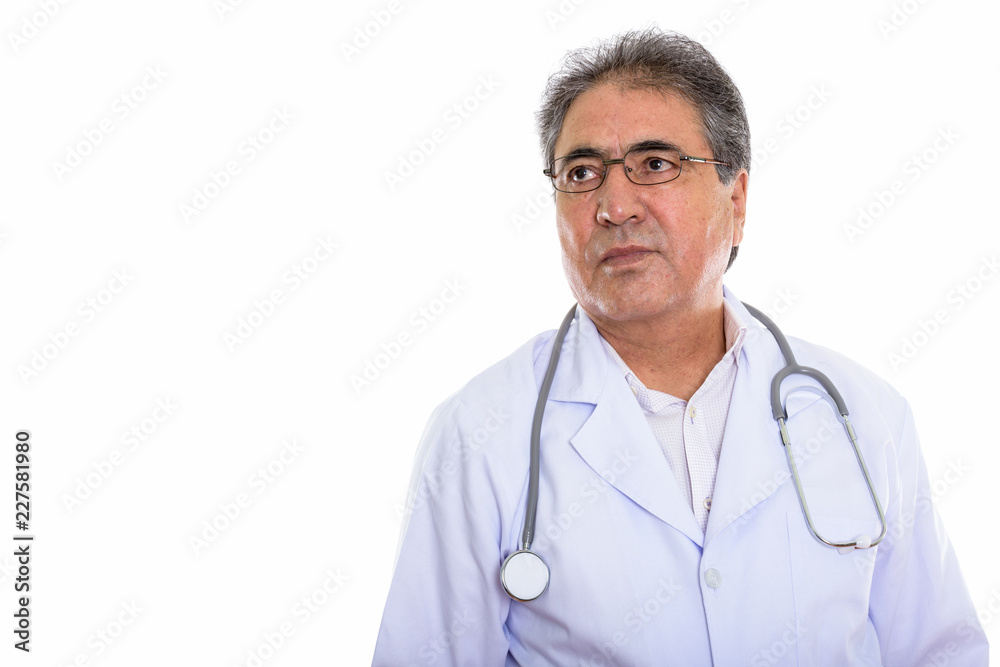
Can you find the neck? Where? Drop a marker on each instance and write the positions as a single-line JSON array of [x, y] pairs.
[[673, 352]]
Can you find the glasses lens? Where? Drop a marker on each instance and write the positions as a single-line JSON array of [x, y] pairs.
[[652, 165], [578, 174]]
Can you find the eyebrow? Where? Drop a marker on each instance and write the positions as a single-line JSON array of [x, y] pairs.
[[647, 144]]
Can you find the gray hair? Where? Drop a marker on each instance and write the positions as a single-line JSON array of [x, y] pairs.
[[665, 61], [656, 60]]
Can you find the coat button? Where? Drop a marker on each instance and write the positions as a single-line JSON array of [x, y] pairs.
[[713, 578]]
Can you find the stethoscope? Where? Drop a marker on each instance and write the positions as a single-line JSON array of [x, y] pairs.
[[525, 576]]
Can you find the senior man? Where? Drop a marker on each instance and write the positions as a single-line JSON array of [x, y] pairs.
[[670, 529]]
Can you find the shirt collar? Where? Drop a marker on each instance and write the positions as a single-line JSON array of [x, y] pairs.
[[735, 332], [735, 329]]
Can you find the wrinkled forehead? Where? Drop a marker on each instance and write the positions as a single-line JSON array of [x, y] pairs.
[[610, 118]]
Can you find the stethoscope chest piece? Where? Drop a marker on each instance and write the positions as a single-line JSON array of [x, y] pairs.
[[524, 575]]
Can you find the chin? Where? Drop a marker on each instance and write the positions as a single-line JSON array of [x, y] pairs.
[[624, 306]]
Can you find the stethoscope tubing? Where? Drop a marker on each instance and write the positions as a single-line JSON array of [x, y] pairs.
[[528, 534], [777, 410]]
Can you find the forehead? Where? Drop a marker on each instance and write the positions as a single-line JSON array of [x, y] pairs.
[[610, 119]]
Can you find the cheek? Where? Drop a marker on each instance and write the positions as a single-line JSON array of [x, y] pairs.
[[694, 232], [713, 217], [573, 237]]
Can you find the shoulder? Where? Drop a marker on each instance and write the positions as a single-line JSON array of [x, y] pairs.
[[512, 373], [498, 396], [855, 382]]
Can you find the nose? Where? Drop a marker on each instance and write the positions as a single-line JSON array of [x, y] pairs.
[[618, 200]]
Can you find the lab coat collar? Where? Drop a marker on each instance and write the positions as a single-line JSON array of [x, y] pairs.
[[584, 365], [617, 424], [616, 441], [752, 463]]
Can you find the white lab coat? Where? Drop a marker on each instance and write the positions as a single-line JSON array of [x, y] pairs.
[[633, 579]]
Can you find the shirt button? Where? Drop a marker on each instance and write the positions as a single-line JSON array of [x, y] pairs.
[[692, 413], [708, 504], [713, 578]]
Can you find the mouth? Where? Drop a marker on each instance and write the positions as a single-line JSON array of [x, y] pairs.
[[625, 255]]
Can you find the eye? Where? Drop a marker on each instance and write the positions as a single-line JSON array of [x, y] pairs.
[[658, 163], [654, 165], [581, 173]]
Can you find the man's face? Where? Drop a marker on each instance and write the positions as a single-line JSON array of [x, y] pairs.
[[635, 252]]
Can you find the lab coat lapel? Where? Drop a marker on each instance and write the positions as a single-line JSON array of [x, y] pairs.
[[616, 440], [752, 463]]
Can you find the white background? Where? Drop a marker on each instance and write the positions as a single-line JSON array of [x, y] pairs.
[[476, 210]]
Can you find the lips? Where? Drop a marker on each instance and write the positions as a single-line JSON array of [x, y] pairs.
[[624, 252]]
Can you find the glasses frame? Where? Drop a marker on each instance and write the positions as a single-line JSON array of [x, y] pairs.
[[683, 158]]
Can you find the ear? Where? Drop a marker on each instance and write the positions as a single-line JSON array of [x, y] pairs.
[[739, 201]]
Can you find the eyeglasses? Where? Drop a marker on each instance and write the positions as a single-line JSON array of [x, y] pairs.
[[643, 166]]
